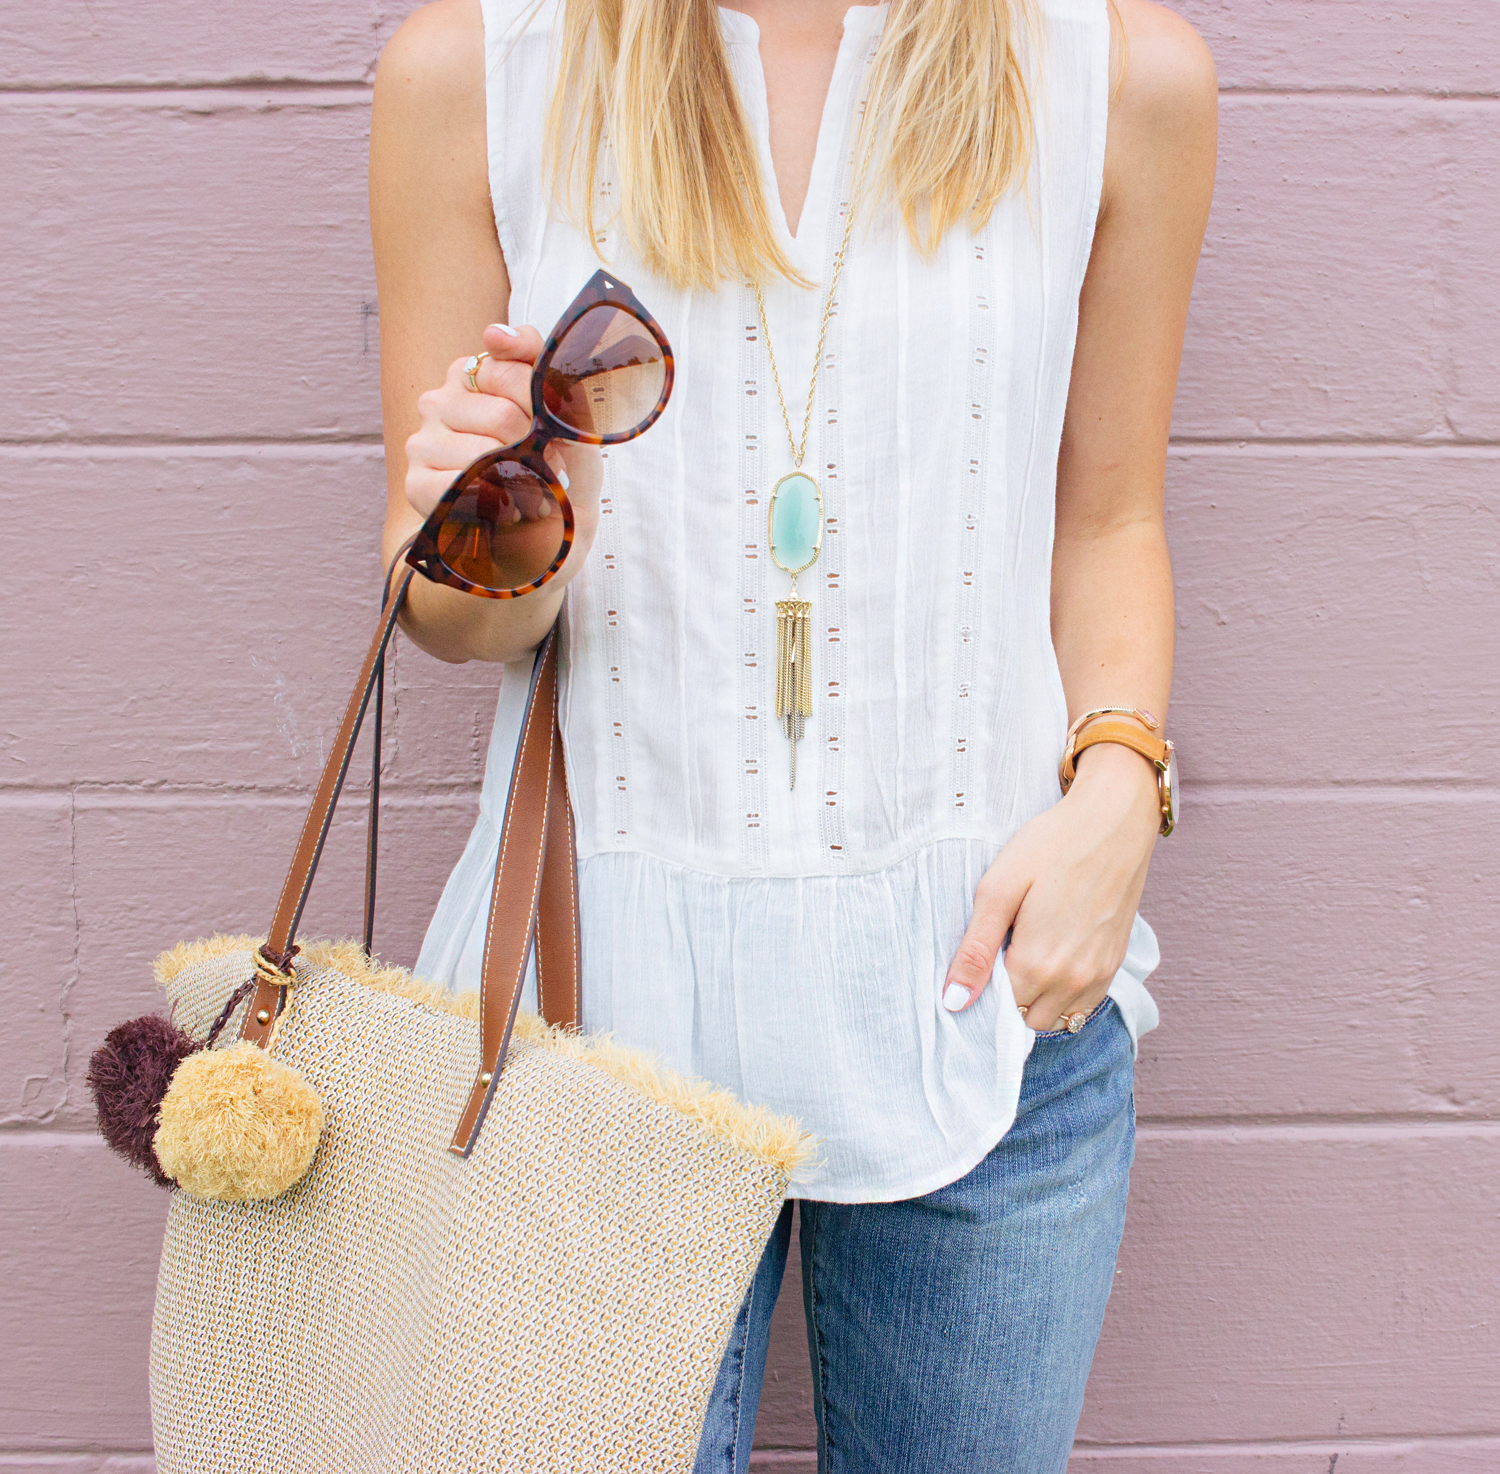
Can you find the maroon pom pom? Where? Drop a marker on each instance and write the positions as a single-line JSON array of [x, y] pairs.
[[129, 1075]]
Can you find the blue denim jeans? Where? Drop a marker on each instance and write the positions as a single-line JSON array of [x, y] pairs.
[[955, 1330]]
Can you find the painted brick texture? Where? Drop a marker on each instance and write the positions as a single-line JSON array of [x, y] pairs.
[[189, 456]]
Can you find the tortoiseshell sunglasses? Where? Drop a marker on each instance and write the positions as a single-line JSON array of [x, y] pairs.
[[505, 525]]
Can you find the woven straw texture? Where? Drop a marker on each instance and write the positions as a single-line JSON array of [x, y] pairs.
[[558, 1302]]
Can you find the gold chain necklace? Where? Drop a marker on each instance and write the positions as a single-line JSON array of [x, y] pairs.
[[794, 529]]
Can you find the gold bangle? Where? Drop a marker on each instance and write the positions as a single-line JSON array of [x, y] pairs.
[[1070, 743], [1141, 715]]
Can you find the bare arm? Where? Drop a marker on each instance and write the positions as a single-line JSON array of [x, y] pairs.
[[1069, 881], [1111, 579], [443, 288]]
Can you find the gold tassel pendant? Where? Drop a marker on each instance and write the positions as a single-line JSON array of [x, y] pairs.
[[793, 670]]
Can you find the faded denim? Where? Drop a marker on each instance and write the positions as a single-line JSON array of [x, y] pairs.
[[956, 1330]]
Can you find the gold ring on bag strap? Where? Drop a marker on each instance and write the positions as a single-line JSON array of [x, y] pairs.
[[535, 886]]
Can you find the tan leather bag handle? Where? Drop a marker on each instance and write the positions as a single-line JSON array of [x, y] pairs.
[[534, 899]]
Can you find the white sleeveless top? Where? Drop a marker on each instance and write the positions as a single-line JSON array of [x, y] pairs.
[[791, 945]]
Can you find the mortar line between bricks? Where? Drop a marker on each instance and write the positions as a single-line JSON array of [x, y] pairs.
[[1401, 790], [1251, 1131], [254, 81], [216, 796], [1286, 1445], [1406, 449], [1346, 444], [1368, 94], [197, 96], [50, 1453], [146, 445], [1166, 1123], [122, 1460]]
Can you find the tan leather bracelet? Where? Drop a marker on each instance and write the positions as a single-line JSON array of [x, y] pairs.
[[1126, 727]]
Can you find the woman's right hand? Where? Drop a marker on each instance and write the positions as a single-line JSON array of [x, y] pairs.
[[458, 426]]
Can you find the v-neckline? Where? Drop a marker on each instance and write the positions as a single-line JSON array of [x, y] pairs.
[[743, 31]]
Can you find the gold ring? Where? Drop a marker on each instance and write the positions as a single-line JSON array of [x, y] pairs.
[[1073, 1022], [471, 371]]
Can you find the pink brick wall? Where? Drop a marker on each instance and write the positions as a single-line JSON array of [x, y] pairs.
[[191, 476]]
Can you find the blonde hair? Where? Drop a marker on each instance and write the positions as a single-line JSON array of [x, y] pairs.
[[946, 131]]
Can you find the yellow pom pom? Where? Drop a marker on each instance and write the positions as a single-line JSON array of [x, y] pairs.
[[238, 1125]]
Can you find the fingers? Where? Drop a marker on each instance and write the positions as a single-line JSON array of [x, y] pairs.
[[458, 424], [996, 901], [507, 372], [501, 407], [506, 344], [445, 451], [1047, 1008], [1051, 985], [502, 401], [506, 378], [497, 415], [558, 461], [1067, 889]]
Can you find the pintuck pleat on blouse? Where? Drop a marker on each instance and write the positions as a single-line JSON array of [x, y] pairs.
[[791, 944]]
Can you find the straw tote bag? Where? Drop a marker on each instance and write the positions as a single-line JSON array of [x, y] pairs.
[[514, 1249]]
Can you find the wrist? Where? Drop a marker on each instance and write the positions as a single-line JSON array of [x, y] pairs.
[[1137, 732], [1120, 789], [1116, 763], [1110, 766]]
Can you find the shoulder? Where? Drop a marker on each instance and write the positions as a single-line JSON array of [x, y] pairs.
[[435, 60], [1163, 112], [1162, 75], [427, 126]]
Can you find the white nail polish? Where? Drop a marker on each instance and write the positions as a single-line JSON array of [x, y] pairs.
[[955, 995], [505, 327], [562, 476]]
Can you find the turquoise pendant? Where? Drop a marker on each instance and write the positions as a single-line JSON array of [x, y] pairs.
[[796, 522], [796, 535]]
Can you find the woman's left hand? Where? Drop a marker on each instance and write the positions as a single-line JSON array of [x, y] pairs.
[[1066, 888]]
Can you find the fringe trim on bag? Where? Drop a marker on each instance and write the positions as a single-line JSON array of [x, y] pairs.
[[752, 1129]]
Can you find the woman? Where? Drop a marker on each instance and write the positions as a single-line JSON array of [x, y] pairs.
[[962, 233]]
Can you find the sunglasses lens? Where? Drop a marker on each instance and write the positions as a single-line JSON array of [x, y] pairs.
[[504, 530], [606, 375]]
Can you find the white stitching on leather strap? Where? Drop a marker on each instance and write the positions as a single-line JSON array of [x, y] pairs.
[[536, 892], [536, 889], [489, 934], [573, 894], [556, 757]]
